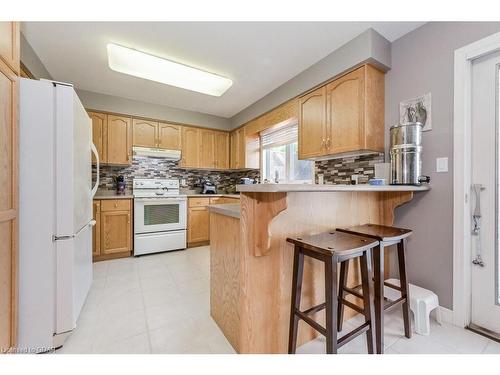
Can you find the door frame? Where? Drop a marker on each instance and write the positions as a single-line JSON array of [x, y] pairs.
[[462, 152]]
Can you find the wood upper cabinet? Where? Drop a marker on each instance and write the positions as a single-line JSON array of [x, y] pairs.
[[344, 116], [9, 101], [190, 147], [116, 226], [98, 129], [221, 150], [9, 44], [169, 136], [207, 156], [96, 230], [312, 124], [145, 133], [345, 112], [238, 149], [118, 140]]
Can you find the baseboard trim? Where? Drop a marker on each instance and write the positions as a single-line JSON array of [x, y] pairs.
[[446, 315]]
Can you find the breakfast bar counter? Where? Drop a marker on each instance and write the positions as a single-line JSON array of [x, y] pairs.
[[251, 262]]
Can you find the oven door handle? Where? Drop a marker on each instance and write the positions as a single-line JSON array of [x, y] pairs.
[[160, 200]]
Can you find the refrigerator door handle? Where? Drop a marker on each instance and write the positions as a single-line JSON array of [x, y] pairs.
[[94, 150], [91, 223]]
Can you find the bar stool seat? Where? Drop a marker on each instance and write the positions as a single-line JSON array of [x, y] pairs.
[[332, 248], [387, 236]]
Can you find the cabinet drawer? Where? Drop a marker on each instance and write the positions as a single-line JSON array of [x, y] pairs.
[[115, 205], [223, 200], [198, 202]]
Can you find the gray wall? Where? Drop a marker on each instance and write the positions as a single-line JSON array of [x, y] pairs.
[[422, 61], [368, 46], [111, 103], [31, 61]]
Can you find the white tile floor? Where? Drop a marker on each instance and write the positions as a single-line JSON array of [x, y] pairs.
[[160, 304]]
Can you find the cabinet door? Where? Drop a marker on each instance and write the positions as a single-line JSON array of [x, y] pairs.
[[233, 155], [145, 133], [119, 140], [198, 224], [207, 157], [345, 112], [221, 150], [190, 147], [312, 124], [96, 231], [9, 44], [8, 204], [116, 234], [98, 126], [169, 136], [238, 149]]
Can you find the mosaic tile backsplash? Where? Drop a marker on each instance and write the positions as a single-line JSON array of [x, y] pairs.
[[335, 171], [339, 171], [148, 167]]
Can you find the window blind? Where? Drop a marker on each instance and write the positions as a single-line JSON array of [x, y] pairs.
[[278, 137]]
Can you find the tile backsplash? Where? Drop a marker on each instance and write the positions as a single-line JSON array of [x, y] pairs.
[[335, 171], [148, 167], [339, 171]]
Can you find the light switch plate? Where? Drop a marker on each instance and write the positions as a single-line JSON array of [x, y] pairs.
[[441, 164]]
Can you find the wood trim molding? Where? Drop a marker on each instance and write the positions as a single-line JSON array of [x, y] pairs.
[[134, 117]]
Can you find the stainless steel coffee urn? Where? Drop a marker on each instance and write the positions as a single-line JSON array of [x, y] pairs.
[[406, 154]]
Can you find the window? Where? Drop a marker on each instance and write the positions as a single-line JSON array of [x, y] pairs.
[[280, 162]]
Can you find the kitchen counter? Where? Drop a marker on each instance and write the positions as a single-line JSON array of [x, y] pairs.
[[251, 262], [275, 188], [111, 194], [228, 209]]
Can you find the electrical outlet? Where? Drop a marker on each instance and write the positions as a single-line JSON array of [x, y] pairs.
[[441, 165]]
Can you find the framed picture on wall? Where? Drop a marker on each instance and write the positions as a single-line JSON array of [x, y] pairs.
[[417, 110]]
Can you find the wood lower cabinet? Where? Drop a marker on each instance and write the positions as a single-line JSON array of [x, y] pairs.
[[198, 231], [112, 234], [346, 116]]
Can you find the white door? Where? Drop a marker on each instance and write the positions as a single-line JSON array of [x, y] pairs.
[[485, 306]]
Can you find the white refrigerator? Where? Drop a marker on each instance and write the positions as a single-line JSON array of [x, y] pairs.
[[55, 212]]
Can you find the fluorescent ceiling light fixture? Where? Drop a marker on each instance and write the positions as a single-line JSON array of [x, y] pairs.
[[139, 64]]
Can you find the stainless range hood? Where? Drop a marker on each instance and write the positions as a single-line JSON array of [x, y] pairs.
[[157, 153]]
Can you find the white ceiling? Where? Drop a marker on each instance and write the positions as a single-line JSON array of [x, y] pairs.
[[257, 56]]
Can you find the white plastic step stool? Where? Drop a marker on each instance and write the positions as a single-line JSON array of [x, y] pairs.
[[422, 302]]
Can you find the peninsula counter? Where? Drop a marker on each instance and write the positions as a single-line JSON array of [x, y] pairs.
[[251, 262]]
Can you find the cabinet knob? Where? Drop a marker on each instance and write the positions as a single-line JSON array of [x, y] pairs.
[[116, 205]]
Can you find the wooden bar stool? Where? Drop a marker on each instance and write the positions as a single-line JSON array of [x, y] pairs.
[[331, 248], [386, 236]]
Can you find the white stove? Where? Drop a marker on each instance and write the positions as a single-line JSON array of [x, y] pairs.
[[160, 216]]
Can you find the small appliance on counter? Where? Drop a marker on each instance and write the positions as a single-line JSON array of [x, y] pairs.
[[406, 154], [208, 187], [247, 181], [120, 184]]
